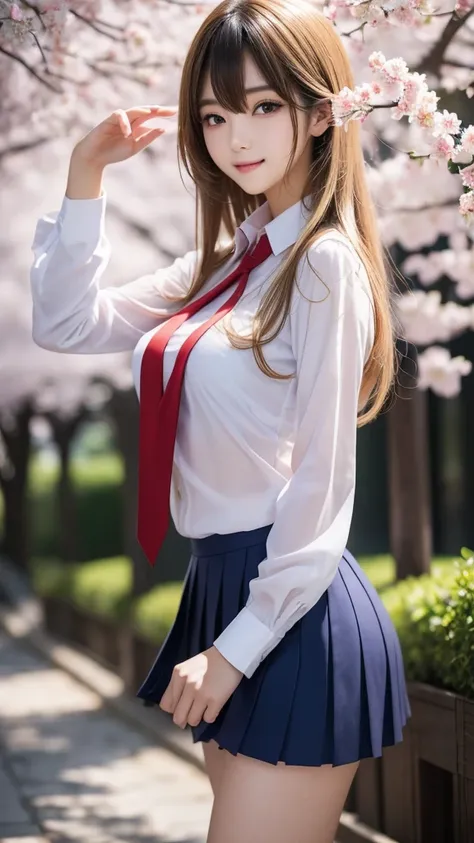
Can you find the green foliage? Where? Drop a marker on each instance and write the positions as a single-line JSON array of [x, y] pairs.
[[433, 614], [381, 571], [434, 617], [154, 613], [97, 486], [50, 577], [102, 586]]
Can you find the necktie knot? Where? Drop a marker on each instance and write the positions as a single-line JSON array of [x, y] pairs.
[[258, 254]]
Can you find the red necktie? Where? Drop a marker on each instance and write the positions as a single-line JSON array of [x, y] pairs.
[[159, 411]]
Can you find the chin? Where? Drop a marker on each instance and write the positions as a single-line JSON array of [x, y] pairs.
[[256, 187]]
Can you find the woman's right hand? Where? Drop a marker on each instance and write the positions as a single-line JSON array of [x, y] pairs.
[[120, 136]]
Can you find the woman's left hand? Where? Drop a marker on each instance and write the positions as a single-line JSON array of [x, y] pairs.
[[199, 687]]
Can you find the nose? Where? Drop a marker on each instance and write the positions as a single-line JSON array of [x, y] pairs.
[[239, 133]]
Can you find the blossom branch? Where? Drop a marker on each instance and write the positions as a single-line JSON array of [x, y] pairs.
[[17, 148], [95, 26], [29, 68], [432, 62]]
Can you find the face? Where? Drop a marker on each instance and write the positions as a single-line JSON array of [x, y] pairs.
[[261, 136]]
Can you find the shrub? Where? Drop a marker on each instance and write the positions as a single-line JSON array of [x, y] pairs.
[[102, 586], [153, 613], [434, 617], [98, 496]]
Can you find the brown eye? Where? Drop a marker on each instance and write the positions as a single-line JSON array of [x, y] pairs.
[[272, 106]]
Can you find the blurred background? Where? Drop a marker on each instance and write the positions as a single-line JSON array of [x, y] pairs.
[[69, 423]]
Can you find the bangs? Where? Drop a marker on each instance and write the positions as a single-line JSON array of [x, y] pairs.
[[224, 60]]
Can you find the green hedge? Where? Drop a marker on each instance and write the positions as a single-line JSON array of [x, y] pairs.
[[97, 486], [433, 613], [104, 587], [434, 616]]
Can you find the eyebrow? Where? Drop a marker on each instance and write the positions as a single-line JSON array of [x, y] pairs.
[[253, 90]]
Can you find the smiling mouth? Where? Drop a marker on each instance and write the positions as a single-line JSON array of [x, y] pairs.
[[243, 168]]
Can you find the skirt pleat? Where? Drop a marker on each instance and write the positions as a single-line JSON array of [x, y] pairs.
[[399, 713], [346, 660], [311, 691], [372, 656], [332, 690]]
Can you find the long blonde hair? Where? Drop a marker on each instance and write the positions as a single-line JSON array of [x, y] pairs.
[[302, 58]]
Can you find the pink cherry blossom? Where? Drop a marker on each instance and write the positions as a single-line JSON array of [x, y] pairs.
[[466, 205], [467, 140], [418, 198], [446, 123], [441, 372], [467, 176], [15, 13]]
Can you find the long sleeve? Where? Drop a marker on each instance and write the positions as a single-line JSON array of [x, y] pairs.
[[331, 340], [71, 312]]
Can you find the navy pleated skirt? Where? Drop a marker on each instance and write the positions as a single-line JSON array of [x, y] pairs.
[[332, 691]]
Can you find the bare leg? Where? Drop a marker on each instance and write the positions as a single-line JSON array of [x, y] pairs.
[[215, 760], [259, 802]]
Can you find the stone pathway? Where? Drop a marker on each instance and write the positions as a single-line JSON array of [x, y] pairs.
[[70, 770]]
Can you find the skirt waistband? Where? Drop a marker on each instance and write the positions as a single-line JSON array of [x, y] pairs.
[[223, 542]]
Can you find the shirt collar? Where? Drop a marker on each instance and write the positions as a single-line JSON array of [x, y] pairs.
[[282, 231]]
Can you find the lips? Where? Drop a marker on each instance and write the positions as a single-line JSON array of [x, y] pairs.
[[245, 168]]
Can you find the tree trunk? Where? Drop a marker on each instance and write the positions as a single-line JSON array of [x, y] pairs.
[[13, 483], [124, 409], [409, 486], [173, 558]]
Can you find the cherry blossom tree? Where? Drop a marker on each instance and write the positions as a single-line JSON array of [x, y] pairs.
[[66, 63], [136, 41], [74, 61], [58, 386], [413, 64]]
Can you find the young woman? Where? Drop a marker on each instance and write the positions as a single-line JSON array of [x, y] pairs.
[[273, 347]]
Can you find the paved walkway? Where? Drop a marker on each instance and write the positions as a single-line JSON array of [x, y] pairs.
[[70, 770]]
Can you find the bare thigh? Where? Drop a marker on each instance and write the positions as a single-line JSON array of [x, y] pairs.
[[258, 802], [215, 760]]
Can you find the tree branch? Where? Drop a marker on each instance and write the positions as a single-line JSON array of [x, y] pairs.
[[143, 231], [461, 64], [36, 11], [30, 69], [93, 25], [432, 62], [22, 147], [421, 208]]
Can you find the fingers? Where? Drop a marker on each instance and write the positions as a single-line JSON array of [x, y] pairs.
[[170, 698], [121, 117], [160, 110], [129, 120], [185, 704], [196, 712], [146, 137]]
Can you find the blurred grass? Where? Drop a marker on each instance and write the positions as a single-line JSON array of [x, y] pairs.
[[100, 470], [380, 569]]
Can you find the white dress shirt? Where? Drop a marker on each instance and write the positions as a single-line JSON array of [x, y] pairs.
[[250, 450]]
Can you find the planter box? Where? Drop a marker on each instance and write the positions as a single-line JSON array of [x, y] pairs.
[[421, 791]]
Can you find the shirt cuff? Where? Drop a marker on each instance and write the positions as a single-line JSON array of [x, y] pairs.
[[82, 220], [245, 642]]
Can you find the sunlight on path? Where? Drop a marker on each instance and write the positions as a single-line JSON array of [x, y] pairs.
[[87, 775]]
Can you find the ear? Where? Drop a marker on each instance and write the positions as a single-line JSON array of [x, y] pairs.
[[321, 118]]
